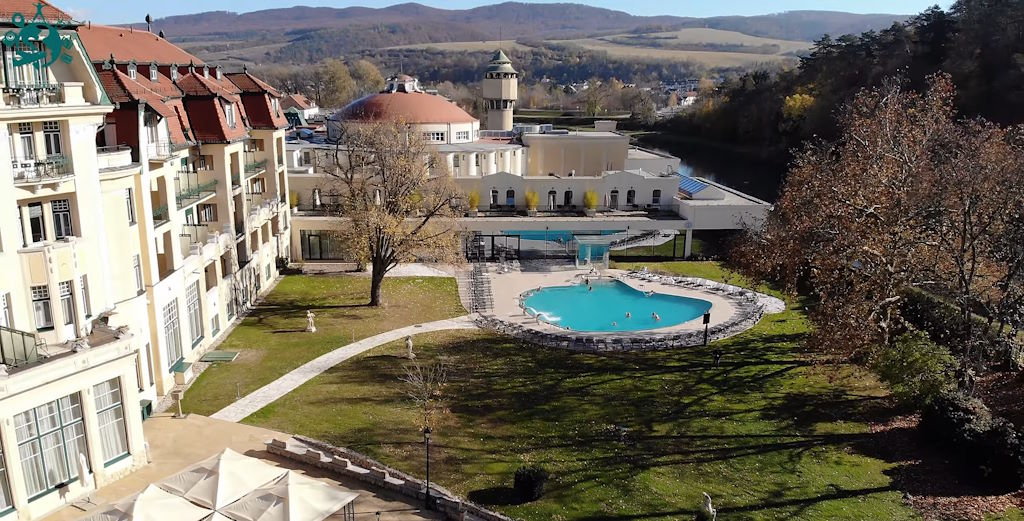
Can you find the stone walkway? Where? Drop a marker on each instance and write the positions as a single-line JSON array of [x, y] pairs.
[[263, 396]]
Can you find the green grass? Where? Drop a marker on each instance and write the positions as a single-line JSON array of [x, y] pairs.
[[271, 341], [768, 434]]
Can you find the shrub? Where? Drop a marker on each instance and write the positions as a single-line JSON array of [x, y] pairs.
[[916, 369], [529, 482], [474, 200], [590, 200], [987, 446], [532, 200]]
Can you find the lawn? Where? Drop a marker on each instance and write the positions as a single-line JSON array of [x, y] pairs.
[[626, 436], [271, 341]]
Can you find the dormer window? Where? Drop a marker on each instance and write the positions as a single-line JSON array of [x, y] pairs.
[[229, 114], [174, 73], [132, 71], [276, 106], [206, 71], [220, 75], [153, 75]]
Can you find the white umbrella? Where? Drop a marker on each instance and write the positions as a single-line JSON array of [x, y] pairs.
[[293, 497], [222, 479], [153, 504]]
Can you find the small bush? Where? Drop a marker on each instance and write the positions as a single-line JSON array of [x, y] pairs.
[[916, 369], [987, 446], [474, 200], [532, 200], [590, 200], [529, 482]]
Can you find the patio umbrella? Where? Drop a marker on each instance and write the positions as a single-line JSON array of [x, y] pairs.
[[222, 479], [293, 497], [153, 504]]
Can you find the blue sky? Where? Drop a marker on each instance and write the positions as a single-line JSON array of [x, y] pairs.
[[126, 11]]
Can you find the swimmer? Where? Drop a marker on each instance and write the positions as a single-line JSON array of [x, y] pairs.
[[655, 317], [590, 288], [629, 315], [614, 323], [648, 293], [586, 281]]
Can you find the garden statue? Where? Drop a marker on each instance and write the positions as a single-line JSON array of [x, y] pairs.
[[408, 348], [310, 326]]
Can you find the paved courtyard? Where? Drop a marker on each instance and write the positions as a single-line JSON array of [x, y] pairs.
[[175, 444]]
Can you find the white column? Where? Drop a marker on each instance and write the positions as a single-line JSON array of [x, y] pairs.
[[451, 164], [687, 245]]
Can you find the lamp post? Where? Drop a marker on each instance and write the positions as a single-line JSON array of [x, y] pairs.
[[426, 443], [707, 320]]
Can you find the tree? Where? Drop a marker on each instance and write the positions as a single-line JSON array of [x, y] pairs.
[[338, 86], [366, 76], [424, 386], [397, 200]]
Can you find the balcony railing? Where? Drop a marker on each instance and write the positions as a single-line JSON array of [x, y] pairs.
[[161, 215], [159, 149], [50, 169], [255, 167], [236, 180], [17, 347], [32, 94], [188, 190], [196, 233]]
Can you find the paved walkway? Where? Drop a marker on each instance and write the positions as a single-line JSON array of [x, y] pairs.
[[263, 396]]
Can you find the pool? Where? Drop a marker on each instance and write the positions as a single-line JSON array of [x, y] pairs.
[[554, 235], [581, 309]]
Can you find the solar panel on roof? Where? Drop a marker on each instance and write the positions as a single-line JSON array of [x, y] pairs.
[[690, 185]]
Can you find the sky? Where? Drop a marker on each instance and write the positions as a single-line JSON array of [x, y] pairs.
[[128, 11]]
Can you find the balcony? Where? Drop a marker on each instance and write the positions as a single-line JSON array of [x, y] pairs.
[[17, 347], [161, 215], [236, 181], [34, 94], [194, 234], [253, 168], [188, 190], [53, 168], [160, 150]]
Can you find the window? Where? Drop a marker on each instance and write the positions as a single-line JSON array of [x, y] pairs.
[[133, 71], [5, 312], [494, 198], [631, 196], [567, 201], [35, 222], [269, 272], [230, 306], [5, 487], [206, 71], [257, 186], [656, 197], [229, 114], [172, 335], [27, 141], [510, 198], [153, 74], [32, 72], [51, 135], [462, 135], [195, 314], [215, 324], [276, 105], [129, 203], [476, 160], [41, 307], [67, 303], [174, 73], [50, 438], [207, 213], [137, 268], [434, 136], [62, 218], [113, 436], [84, 283]]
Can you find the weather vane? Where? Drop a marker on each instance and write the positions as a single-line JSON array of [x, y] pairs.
[[37, 30]]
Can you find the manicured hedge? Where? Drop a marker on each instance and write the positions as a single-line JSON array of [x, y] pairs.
[[987, 446]]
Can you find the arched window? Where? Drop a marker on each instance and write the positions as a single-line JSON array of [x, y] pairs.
[[494, 197], [132, 71], [552, 199], [153, 75], [568, 198], [631, 196], [510, 197], [614, 199]]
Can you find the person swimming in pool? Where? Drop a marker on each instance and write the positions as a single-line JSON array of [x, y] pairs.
[[629, 315], [655, 316], [590, 288], [615, 324], [648, 293]]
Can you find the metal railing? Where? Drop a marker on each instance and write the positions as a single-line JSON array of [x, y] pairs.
[[17, 347], [112, 149], [51, 168], [255, 167], [31, 94], [196, 233], [188, 190], [159, 149]]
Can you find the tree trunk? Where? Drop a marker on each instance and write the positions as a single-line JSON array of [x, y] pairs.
[[376, 281]]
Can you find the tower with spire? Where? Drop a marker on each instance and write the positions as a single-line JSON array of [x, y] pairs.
[[501, 90]]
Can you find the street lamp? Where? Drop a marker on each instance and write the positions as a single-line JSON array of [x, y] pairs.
[[707, 320], [426, 443]]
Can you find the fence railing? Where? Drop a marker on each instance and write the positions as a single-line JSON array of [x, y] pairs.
[[188, 189], [30, 170], [17, 347]]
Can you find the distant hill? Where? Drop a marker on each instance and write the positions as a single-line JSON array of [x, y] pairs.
[[562, 20]]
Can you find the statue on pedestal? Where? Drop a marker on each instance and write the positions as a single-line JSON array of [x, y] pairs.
[[408, 348], [310, 326]]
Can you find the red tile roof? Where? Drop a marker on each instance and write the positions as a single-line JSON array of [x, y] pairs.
[[249, 83], [298, 101], [27, 8], [102, 41], [122, 89], [410, 107], [209, 123]]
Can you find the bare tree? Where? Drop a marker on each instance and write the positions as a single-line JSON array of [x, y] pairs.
[[424, 386], [397, 199]]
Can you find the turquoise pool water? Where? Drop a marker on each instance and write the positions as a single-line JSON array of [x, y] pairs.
[[553, 235], [582, 309]]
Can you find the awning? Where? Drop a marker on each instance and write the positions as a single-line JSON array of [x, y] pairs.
[[153, 504], [293, 497], [222, 479]]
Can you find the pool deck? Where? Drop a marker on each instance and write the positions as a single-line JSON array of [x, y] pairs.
[[507, 288]]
